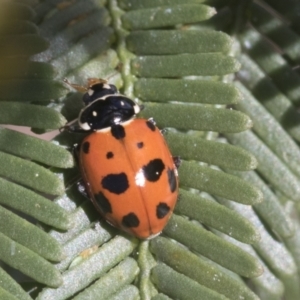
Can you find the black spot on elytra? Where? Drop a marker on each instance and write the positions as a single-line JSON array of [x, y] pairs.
[[150, 125], [172, 180], [140, 145], [118, 131], [153, 169], [115, 183], [109, 155], [85, 147], [131, 220], [103, 203], [162, 209]]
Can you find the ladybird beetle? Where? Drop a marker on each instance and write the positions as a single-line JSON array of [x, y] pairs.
[[127, 169]]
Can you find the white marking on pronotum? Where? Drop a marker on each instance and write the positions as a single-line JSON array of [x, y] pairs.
[[95, 114], [117, 120], [84, 126], [136, 109], [107, 129]]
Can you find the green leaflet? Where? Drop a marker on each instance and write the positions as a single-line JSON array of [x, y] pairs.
[[218, 183], [177, 41], [216, 216], [26, 69], [130, 292], [92, 45], [193, 147], [93, 235], [278, 31], [200, 64], [161, 90], [30, 90], [198, 117], [92, 268], [274, 65], [177, 285], [209, 245], [16, 11], [113, 281], [270, 209], [279, 259], [266, 286], [136, 4], [35, 149], [10, 285], [26, 44], [161, 296], [166, 16], [30, 174], [199, 269], [283, 178], [33, 205], [21, 114], [270, 131], [29, 236], [6, 295], [270, 96], [28, 262]]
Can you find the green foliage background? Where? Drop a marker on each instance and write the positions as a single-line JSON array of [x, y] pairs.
[[223, 78]]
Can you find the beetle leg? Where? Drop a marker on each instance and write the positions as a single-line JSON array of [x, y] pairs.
[[82, 188], [73, 129], [177, 161], [163, 131]]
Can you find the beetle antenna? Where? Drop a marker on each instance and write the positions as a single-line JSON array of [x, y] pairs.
[[93, 81], [77, 87], [112, 75]]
